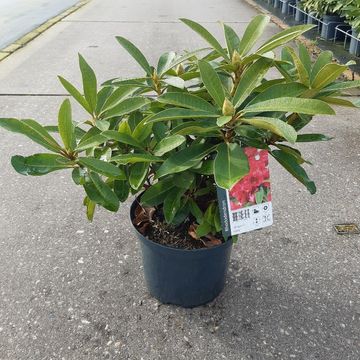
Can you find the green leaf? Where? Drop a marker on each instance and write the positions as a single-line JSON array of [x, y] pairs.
[[89, 83], [274, 125], [135, 158], [138, 174], [187, 101], [289, 104], [312, 137], [292, 89], [135, 53], [119, 94], [343, 85], [305, 58], [222, 120], [171, 205], [300, 67], [328, 74], [184, 159], [103, 94], [252, 33], [157, 192], [185, 180], [39, 164], [232, 40], [212, 82], [101, 193], [283, 37], [126, 106], [323, 59], [33, 130], [201, 127], [250, 80], [90, 208], [340, 101], [90, 142], [231, 165], [291, 165], [164, 62], [168, 143], [259, 196], [66, 126], [75, 93], [196, 211], [122, 138], [102, 167], [206, 36], [121, 189], [174, 81], [177, 113]]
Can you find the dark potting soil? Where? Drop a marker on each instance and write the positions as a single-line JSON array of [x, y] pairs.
[[150, 223]]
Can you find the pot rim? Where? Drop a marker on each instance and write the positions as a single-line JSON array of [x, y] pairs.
[[169, 248]]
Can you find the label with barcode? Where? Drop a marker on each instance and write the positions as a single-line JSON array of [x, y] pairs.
[[247, 205]]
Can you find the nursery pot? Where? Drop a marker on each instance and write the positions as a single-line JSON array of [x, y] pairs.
[[354, 44], [187, 278], [299, 15], [329, 25], [285, 6], [277, 4], [311, 20]]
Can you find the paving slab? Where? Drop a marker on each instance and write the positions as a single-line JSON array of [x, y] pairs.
[[74, 290]]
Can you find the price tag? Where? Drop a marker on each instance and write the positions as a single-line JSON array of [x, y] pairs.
[[247, 205]]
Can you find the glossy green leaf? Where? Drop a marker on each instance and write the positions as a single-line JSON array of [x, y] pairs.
[[138, 174], [340, 101], [66, 126], [101, 193], [185, 180], [231, 165], [119, 94], [75, 93], [90, 208], [289, 104], [328, 74], [312, 137], [324, 58], [212, 82], [252, 33], [250, 80], [157, 193], [305, 58], [274, 125], [126, 107], [177, 113], [122, 189], [39, 164], [174, 81], [89, 83], [187, 101], [33, 130], [196, 211], [135, 158], [343, 85], [90, 142], [283, 37], [171, 205], [222, 120], [168, 143], [232, 39], [102, 167], [206, 36], [135, 53], [302, 72], [122, 138], [184, 159], [291, 165], [164, 62]]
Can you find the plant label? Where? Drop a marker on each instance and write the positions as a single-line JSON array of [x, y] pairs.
[[247, 205]]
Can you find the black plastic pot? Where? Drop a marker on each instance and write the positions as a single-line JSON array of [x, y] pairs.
[[285, 6], [187, 278], [330, 22], [311, 20], [277, 4], [354, 48]]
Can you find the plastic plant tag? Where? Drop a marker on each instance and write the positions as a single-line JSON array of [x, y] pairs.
[[247, 205]]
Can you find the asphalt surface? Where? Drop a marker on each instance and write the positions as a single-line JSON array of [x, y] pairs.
[[18, 17], [70, 289]]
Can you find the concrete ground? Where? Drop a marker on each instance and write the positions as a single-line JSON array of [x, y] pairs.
[[74, 290]]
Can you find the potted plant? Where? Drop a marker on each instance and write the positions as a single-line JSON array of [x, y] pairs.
[[174, 134], [329, 12], [351, 12], [299, 12]]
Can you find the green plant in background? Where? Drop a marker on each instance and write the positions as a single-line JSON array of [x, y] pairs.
[[351, 12], [188, 136], [323, 7]]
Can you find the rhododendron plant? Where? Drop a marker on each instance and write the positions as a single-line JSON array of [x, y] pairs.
[[188, 124]]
